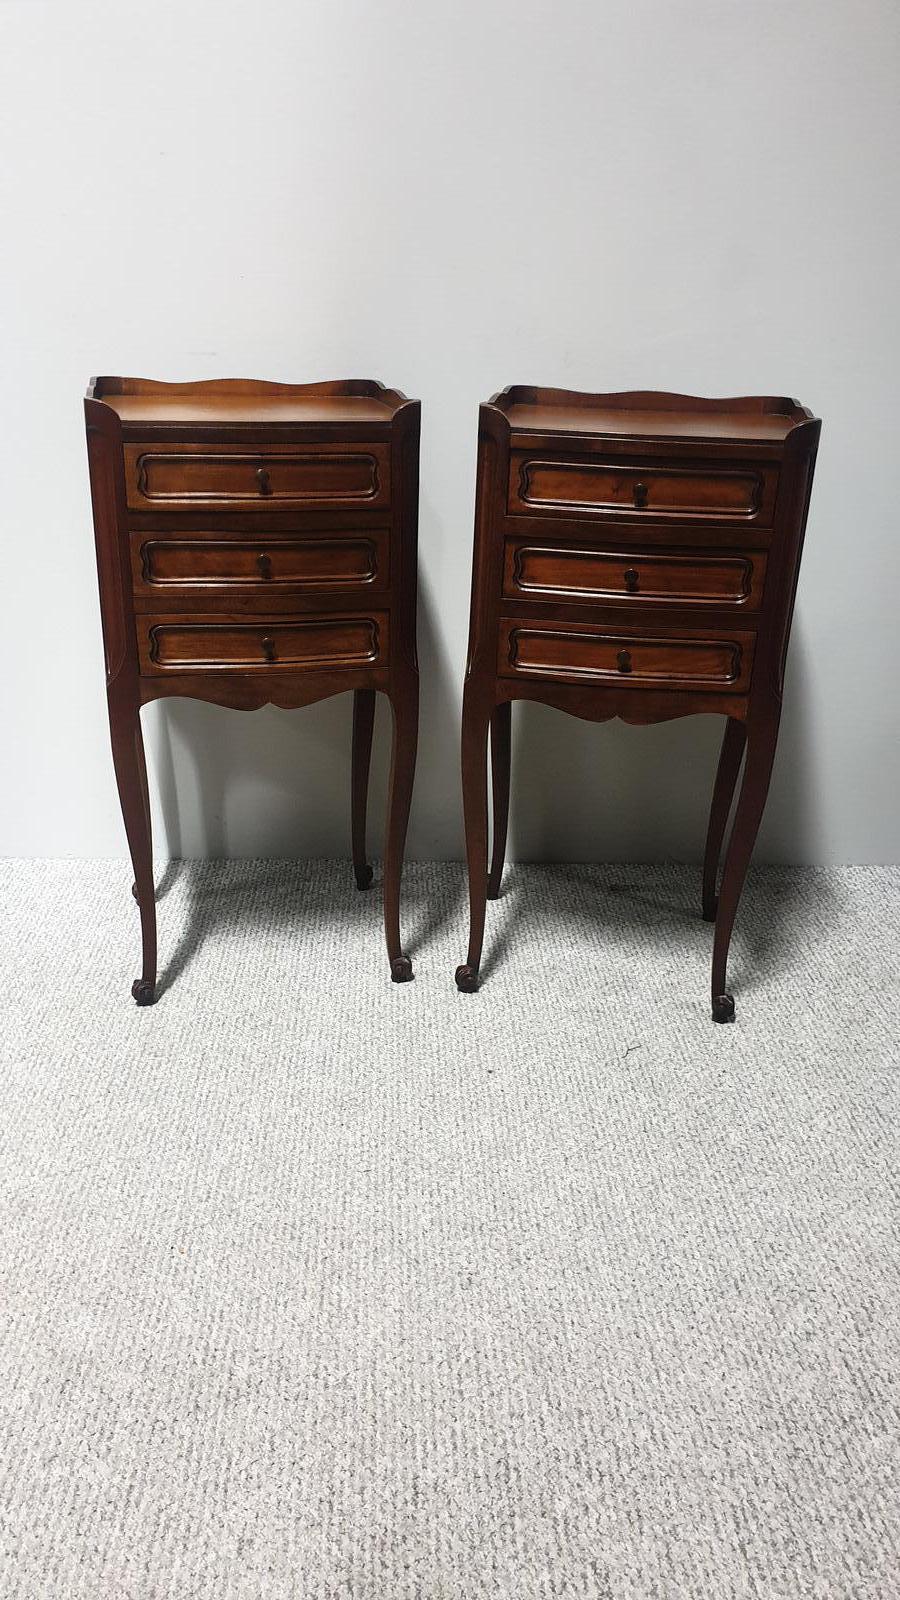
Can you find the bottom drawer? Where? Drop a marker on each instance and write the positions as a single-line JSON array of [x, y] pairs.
[[174, 644], [680, 660]]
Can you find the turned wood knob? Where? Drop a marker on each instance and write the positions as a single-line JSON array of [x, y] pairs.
[[268, 646], [264, 563], [632, 580], [640, 494], [262, 478], [623, 661]]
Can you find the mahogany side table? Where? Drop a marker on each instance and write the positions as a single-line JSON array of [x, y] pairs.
[[256, 544], [636, 556]]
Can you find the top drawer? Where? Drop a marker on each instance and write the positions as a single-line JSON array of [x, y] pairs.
[[583, 485], [322, 476]]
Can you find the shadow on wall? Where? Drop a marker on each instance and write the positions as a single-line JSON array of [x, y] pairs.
[[274, 783], [612, 793], [791, 829], [277, 783], [584, 791]]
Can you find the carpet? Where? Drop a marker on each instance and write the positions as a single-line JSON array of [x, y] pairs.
[[315, 1285]]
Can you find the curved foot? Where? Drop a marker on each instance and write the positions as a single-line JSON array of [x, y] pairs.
[[364, 876], [401, 969], [144, 991], [723, 1008], [709, 912], [467, 979]]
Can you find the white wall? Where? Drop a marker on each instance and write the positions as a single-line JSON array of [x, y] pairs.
[[688, 194]]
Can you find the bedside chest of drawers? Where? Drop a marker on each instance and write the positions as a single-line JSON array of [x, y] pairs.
[[636, 556], [256, 544]]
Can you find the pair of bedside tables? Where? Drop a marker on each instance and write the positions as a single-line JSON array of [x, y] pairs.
[[636, 556]]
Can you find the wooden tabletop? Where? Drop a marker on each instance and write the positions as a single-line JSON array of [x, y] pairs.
[[648, 415], [230, 400]]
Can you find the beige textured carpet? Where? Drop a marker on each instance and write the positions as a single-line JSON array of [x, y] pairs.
[[318, 1286]]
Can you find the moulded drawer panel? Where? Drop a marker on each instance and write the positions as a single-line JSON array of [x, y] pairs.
[[587, 485], [580, 654], [319, 562], [323, 476], [584, 573], [173, 644]]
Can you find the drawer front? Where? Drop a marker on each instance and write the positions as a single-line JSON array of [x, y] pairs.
[[587, 485], [576, 655], [169, 644], [583, 573], [345, 561], [323, 476]]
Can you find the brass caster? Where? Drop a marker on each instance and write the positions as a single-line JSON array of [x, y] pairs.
[[364, 875], [401, 969], [144, 991]]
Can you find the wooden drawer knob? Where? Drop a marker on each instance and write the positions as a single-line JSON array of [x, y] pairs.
[[632, 580], [264, 563], [640, 495], [262, 478], [268, 646], [623, 661]]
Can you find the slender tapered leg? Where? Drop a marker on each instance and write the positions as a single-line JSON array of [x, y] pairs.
[[145, 792], [475, 721], [363, 722], [762, 738], [726, 778], [501, 739], [405, 708], [131, 778]]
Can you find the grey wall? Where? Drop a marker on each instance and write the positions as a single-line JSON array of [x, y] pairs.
[[644, 193]]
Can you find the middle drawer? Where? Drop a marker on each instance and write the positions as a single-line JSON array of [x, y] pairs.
[[316, 562], [583, 573]]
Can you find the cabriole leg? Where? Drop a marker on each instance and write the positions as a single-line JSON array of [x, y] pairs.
[[726, 778], [131, 778], [761, 741], [363, 722], [145, 792], [501, 741], [405, 708], [475, 720]]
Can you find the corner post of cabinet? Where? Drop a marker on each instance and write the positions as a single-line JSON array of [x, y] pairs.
[[104, 448], [487, 554], [792, 511], [405, 521]]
